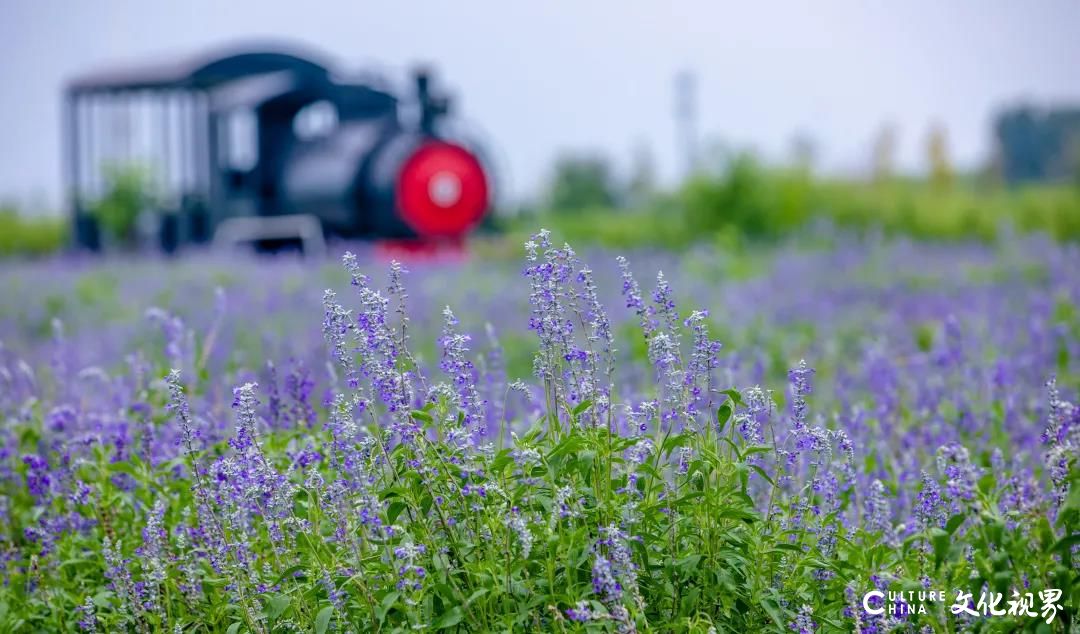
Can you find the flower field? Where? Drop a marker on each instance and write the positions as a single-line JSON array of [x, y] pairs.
[[875, 437]]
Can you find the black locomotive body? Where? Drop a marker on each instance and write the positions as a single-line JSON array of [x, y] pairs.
[[260, 134]]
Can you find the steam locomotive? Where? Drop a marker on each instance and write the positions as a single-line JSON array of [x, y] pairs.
[[263, 144]]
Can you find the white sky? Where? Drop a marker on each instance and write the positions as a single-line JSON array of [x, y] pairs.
[[542, 77]]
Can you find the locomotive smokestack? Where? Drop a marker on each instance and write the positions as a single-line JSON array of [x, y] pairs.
[[423, 82], [432, 107]]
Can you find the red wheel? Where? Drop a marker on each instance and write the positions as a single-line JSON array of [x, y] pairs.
[[442, 190]]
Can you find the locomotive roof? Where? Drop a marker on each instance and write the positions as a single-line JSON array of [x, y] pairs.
[[203, 71]]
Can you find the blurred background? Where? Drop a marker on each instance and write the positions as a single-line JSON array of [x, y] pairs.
[[625, 123]]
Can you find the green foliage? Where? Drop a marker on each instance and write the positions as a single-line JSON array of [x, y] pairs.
[[581, 182], [602, 226], [127, 194], [746, 200], [704, 549], [30, 235], [746, 197], [705, 556], [914, 209]]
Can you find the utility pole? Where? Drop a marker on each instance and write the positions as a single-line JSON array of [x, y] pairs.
[[686, 120]]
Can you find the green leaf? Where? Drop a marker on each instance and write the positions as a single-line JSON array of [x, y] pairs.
[[445, 592], [734, 395], [673, 441], [393, 492], [761, 472], [566, 446], [940, 540], [276, 604], [394, 510], [322, 620], [744, 475], [384, 607], [290, 573], [738, 454], [1066, 543], [995, 529], [1045, 533], [125, 467], [954, 523], [449, 619], [773, 610], [722, 416], [738, 514], [421, 415], [689, 601], [688, 563], [1000, 560], [585, 460], [476, 595], [581, 407], [101, 599], [502, 459], [1001, 581], [234, 628]]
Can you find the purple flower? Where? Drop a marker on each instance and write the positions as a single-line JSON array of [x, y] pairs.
[[877, 516], [336, 596], [454, 362], [38, 479], [960, 474], [801, 386], [87, 621], [930, 510], [179, 340], [804, 621], [581, 613], [614, 571]]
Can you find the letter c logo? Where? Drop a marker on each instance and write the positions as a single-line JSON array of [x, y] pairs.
[[866, 602]]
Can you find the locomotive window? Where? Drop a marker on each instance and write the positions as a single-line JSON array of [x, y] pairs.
[[315, 120], [242, 143]]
